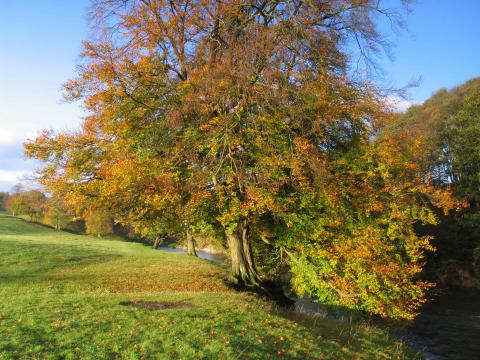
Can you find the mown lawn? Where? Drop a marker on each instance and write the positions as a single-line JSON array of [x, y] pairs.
[[61, 297]]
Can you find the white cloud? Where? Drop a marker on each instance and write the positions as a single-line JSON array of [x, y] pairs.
[[400, 104], [11, 176], [14, 167], [12, 137], [6, 136]]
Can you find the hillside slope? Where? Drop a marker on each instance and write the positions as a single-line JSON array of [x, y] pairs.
[[66, 296]]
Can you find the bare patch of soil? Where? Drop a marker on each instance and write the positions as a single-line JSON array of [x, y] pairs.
[[159, 305]]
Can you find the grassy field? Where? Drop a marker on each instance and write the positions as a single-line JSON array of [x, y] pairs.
[[62, 296]]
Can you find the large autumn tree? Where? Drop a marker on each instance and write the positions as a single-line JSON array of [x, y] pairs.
[[246, 116]]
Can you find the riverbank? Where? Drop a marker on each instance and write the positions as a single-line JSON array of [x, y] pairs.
[[68, 296]]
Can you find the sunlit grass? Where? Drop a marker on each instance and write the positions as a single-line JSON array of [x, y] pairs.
[[60, 298]]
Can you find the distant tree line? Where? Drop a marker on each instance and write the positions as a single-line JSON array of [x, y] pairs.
[[450, 124], [3, 199], [53, 211]]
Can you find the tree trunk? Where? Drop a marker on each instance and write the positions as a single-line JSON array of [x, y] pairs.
[[243, 270], [156, 244], [190, 244]]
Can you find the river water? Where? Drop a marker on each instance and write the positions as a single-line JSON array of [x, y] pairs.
[[216, 258], [448, 327]]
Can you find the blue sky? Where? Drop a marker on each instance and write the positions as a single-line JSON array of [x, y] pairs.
[[40, 42], [441, 47]]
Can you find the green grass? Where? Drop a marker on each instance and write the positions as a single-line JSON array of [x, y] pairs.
[[60, 298]]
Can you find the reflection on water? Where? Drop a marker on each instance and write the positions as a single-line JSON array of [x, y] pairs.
[[448, 327], [217, 258]]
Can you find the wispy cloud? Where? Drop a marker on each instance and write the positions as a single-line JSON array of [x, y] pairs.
[[400, 104], [11, 176], [6, 136], [13, 166]]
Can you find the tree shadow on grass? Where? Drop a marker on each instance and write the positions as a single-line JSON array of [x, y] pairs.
[[256, 334], [33, 339], [269, 290], [34, 261], [336, 326]]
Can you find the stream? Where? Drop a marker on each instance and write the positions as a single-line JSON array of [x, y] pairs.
[[216, 258], [448, 327]]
